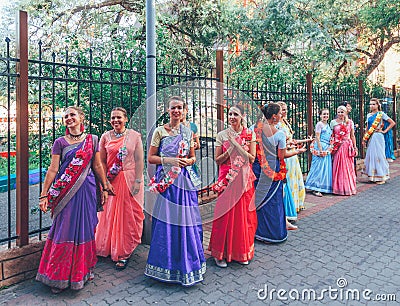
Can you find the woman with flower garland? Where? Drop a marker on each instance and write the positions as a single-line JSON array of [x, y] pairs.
[[319, 178], [235, 220], [294, 177], [343, 151], [69, 190], [376, 165], [120, 225], [270, 170], [176, 252]]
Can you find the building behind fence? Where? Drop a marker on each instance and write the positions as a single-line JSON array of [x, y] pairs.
[[98, 84]]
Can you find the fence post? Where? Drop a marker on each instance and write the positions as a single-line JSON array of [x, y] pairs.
[[310, 125], [361, 116], [220, 89], [394, 116], [22, 129]]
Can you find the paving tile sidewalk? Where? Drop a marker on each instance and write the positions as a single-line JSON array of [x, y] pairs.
[[351, 242]]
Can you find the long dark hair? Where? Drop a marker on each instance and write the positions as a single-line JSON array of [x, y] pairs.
[[270, 110]]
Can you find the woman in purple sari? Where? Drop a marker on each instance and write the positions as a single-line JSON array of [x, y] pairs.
[[176, 252], [69, 190]]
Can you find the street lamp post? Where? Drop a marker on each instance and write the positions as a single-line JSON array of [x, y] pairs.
[[150, 100]]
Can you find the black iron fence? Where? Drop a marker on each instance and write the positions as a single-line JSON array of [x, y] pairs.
[[98, 84]]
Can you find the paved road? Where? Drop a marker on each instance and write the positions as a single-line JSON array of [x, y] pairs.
[[352, 242]]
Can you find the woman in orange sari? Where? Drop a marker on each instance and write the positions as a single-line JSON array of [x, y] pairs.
[[235, 218], [120, 225]]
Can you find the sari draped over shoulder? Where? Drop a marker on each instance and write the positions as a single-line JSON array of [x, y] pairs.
[[343, 172], [389, 147], [269, 196], [376, 166], [69, 254], [235, 219], [176, 252], [120, 225]]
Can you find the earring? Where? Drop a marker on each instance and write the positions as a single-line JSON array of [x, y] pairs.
[[66, 131], [82, 127]]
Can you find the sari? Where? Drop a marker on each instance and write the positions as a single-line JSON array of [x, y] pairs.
[[269, 194], [343, 173], [319, 177], [69, 254], [120, 226], [376, 166], [294, 178], [389, 147], [176, 252], [235, 219]]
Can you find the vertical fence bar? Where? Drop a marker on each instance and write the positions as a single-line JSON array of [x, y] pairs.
[[361, 116], [22, 176], [42, 130], [309, 113], [8, 142], [394, 116], [220, 89]]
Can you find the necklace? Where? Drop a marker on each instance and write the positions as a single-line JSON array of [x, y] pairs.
[[174, 130], [234, 132], [119, 135], [75, 137]]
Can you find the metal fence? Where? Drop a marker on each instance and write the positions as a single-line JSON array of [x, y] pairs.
[[58, 80], [98, 83]]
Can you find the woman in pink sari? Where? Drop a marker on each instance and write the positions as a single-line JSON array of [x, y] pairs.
[[69, 190], [120, 225], [343, 152]]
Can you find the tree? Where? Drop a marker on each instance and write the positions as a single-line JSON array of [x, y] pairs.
[[325, 34], [331, 38]]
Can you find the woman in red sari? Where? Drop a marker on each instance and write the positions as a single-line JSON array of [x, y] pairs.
[[69, 190], [120, 225], [235, 218]]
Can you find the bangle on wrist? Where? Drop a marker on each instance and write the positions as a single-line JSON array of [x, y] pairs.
[[42, 197], [162, 160]]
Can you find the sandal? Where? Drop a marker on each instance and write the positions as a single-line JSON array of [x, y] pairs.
[[317, 194], [121, 264]]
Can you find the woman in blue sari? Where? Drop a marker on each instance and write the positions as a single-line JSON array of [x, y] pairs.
[[376, 165], [69, 190], [319, 178], [176, 252], [270, 170]]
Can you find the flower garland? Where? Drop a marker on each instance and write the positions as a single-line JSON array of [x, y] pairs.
[[276, 176], [374, 125], [117, 165], [236, 165], [172, 174], [320, 153], [221, 184], [337, 138], [70, 175]]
